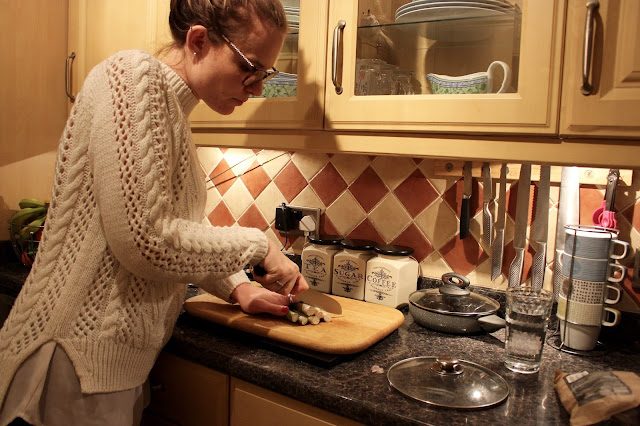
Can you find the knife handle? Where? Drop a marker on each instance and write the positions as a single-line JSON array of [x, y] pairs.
[[259, 270], [486, 224], [538, 266], [464, 218]]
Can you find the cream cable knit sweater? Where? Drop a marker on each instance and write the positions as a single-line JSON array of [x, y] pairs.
[[123, 233]]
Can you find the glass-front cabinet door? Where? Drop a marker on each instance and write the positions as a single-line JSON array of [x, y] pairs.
[[479, 66]]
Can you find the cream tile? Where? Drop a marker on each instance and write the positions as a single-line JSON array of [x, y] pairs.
[[268, 155], [345, 213], [442, 184], [475, 229], [551, 234], [238, 199], [393, 170], [271, 236], [626, 303], [434, 266], [239, 159], [273, 165], [390, 217], [213, 198], [268, 200], [209, 158], [308, 198], [554, 194], [628, 195], [350, 166], [438, 223], [481, 276], [297, 246], [309, 163]]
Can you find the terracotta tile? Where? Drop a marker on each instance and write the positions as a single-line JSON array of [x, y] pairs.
[[453, 197], [255, 179], [534, 202], [327, 227], [368, 189], [222, 177], [463, 255], [252, 218], [366, 231], [590, 199], [221, 216], [413, 238], [632, 214], [328, 184], [512, 200], [509, 254], [416, 193], [290, 181]]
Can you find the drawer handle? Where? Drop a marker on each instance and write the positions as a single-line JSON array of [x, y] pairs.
[[337, 41], [67, 75], [592, 6]]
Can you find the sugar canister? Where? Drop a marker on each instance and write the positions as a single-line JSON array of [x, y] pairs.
[[391, 276], [349, 268], [317, 261]]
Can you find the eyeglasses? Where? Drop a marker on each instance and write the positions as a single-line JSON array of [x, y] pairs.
[[257, 74]]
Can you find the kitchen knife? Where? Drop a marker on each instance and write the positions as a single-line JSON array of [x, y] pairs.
[[497, 247], [487, 195], [568, 214], [520, 233], [311, 296], [540, 229], [466, 200]]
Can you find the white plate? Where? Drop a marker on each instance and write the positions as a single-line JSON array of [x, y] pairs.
[[446, 12], [496, 3]]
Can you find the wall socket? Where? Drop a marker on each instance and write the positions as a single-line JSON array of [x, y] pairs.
[[295, 220]]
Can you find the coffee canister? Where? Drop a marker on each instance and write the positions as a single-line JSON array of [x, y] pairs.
[[317, 261], [392, 275], [350, 266]]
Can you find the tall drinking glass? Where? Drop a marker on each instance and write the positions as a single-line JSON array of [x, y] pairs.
[[527, 313]]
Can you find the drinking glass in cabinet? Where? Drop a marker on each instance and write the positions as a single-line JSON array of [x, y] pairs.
[[400, 42]]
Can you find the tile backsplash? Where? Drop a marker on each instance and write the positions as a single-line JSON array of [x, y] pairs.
[[391, 200]]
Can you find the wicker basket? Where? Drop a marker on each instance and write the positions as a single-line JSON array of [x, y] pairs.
[[25, 248]]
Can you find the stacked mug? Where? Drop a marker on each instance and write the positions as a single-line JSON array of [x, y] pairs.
[[588, 267]]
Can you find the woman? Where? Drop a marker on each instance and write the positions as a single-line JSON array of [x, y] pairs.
[[123, 235]]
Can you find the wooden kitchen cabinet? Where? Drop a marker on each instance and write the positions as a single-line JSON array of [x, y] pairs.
[[187, 394], [251, 405], [613, 107]]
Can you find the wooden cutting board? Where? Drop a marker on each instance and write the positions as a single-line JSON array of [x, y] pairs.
[[360, 325]]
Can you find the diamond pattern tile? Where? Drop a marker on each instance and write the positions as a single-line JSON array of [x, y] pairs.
[[510, 254], [273, 161], [309, 163], [453, 197], [463, 256], [590, 199], [393, 170], [345, 213], [632, 214], [255, 179], [222, 177], [238, 198], [366, 231], [328, 184], [416, 193], [438, 223], [252, 218], [368, 189], [389, 217], [239, 159], [412, 237], [221, 216], [209, 158], [327, 227], [350, 166], [290, 181], [268, 200], [512, 200]]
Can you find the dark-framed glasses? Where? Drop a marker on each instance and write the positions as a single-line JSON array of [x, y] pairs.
[[257, 74]]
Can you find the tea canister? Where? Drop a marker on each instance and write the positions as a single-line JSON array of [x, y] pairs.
[[392, 275], [350, 266], [317, 261]]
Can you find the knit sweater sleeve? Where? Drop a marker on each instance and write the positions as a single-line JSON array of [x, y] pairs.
[[150, 219]]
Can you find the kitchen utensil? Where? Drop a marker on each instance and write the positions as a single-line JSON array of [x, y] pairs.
[[540, 228], [520, 233], [479, 82], [466, 200], [487, 195], [447, 382], [597, 270], [604, 215], [579, 336], [497, 247], [359, 326], [589, 291], [587, 313], [568, 213], [452, 308], [311, 296], [595, 243]]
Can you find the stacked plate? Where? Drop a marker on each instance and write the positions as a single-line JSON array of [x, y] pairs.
[[283, 85], [434, 10], [293, 17]]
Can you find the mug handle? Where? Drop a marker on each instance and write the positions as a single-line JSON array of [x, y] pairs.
[[614, 321], [506, 81], [622, 255], [621, 268], [616, 299]]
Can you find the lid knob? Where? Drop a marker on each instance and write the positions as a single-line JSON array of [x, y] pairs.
[[446, 365], [455, 284]]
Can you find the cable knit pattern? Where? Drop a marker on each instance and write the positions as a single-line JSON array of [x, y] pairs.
[[123, 234]]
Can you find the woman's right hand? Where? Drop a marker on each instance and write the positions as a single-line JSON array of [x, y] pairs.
[[282, 274]]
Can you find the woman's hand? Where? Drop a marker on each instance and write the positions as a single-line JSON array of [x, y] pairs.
[[282, 275], [257, 300]]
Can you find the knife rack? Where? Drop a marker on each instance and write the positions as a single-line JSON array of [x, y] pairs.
[[588, 175]]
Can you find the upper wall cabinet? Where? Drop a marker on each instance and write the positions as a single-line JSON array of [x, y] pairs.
[[601, 82]]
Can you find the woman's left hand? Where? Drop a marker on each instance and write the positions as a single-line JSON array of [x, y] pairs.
[[257, 300]]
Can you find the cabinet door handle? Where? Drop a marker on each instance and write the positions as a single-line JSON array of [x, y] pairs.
[[67, 74], [337, 41], [592, 6]]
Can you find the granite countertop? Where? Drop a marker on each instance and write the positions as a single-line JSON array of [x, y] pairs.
[[351, 386]]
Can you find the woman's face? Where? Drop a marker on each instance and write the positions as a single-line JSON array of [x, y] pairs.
[[218, 71]]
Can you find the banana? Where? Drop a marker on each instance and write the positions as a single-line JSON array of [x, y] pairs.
[[19, 218], [30, 202], [33, 226]]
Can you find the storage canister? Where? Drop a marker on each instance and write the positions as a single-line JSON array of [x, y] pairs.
[[392, 275], [317, 261], [350, 266]]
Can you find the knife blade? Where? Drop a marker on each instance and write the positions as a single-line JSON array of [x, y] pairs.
[[540, 229], [487, 195], [520, 233], [568, 214], [497, 247], [311, 296], [466, 199]]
